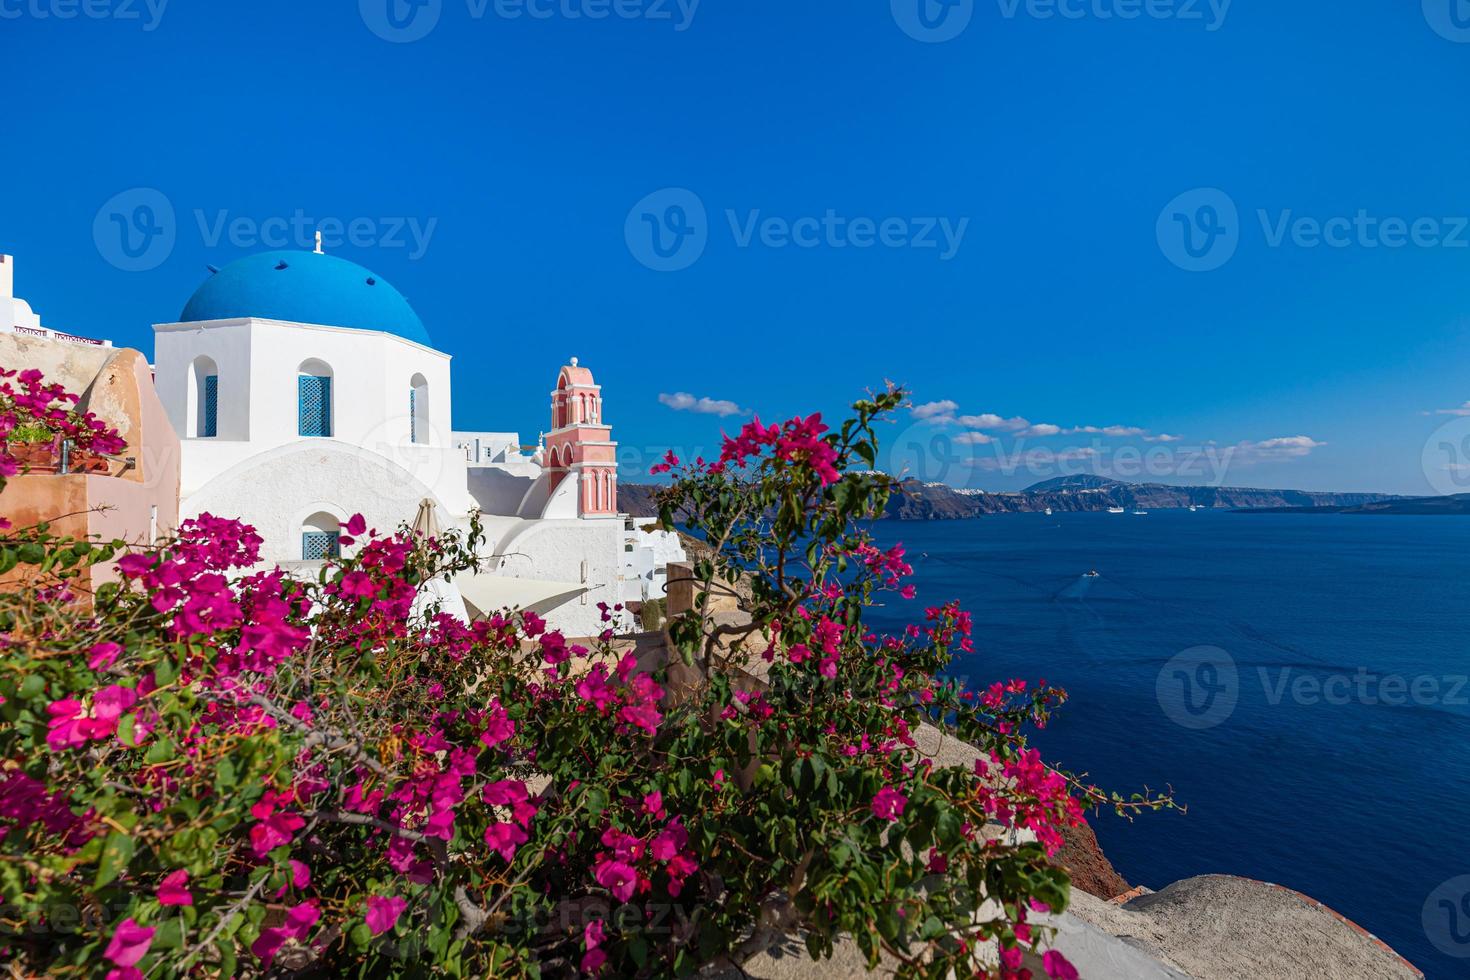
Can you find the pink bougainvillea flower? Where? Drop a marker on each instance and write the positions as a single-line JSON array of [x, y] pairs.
[[1057, 966], [173, 890], [653, 805], [299, 921], [888, 804], [383, 912], [617, 877], [592, 938], [69, 726], [103, 655], [498, 726], [504, 838], [129, 944]]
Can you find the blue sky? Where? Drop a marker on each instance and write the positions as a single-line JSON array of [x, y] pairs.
[[531, 152]]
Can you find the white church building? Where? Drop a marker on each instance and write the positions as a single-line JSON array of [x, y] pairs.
[[305, 389]]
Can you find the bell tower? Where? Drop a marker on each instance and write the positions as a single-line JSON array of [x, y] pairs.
[[579, 446]]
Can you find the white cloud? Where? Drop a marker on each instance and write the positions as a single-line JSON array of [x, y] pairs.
[[1107, 430], [973, 439], [682, 401], [940, 411], [1274, 450], [1162, 437], [946, 412], [1462, 410], [993, 422]]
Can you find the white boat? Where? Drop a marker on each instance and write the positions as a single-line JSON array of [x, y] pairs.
[[1193, 508], [1048, 512], [1141, 513], [1116, 510]]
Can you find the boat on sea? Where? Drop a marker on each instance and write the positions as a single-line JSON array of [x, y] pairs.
[[1094, 573], [1048, 512], [1193, 508], [1141, 513], [1116, 510]]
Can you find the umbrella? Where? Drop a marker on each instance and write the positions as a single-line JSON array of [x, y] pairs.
[[426, 522]]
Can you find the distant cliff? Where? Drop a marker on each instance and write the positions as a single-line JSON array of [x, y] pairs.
[[936, 501]]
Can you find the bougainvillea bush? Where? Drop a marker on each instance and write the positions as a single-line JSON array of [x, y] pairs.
[[33, 411], [214, 770]]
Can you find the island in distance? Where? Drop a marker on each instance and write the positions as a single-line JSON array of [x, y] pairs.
[[919, 501]]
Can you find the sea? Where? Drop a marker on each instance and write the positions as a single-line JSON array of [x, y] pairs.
[[1298, 680]]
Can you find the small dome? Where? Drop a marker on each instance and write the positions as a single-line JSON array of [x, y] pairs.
[[305, 287]]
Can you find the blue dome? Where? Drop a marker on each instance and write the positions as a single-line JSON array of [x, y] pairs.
[[305, 287]]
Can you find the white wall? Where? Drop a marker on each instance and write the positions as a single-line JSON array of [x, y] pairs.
[[259, 362], [279, 490], [583, 552]]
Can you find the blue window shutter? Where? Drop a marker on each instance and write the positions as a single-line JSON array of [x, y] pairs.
[[209, 427], [316, 545], [315, 405]]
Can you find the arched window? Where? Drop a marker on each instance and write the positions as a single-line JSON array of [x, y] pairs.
[[203, 414], [418, 409], [314, 398], [320, 537]]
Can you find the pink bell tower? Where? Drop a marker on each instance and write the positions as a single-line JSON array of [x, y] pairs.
[[579, 445]]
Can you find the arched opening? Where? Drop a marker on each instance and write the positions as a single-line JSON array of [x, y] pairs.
[[418, 409], [320, 537], [203, 414], [560, 404], [314, 398]]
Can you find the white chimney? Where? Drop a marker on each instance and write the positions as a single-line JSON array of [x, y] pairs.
[[7, 276]]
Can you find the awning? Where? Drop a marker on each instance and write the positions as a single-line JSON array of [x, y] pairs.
[[491, 593]]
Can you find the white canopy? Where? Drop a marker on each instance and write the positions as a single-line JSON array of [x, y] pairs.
[[490, 593]]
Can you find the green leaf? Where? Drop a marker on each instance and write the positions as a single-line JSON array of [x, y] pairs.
[[117, 851]]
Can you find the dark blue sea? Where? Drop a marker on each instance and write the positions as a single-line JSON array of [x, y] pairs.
[[1298, 680]]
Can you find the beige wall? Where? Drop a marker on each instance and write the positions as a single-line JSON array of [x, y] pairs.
[[133, 503]]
